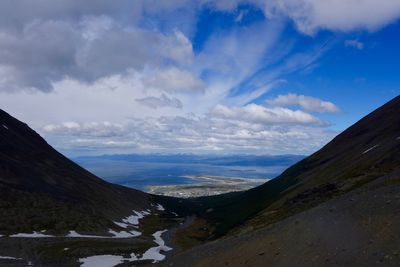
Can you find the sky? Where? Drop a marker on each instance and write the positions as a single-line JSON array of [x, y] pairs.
[[205, 77]]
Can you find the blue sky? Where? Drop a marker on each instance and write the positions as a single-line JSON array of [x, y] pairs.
[[255, 76]]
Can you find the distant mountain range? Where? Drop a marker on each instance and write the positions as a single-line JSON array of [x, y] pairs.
[[229, 160]]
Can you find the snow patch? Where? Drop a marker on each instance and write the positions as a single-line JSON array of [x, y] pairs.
[[124, 234], [369, 149], [174, 213], [134, 219], [9, 258], [154, 252], [398, 138], [4, 126], [75, 234], [65, 249], [31, 235], [160, 207], [123, 225], [104, 260]]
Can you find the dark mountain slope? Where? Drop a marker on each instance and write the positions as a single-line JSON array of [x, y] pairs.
[[359, 228], [367, 150], [41, 189]]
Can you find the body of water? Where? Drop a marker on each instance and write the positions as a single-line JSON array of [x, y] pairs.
[[141, 174]]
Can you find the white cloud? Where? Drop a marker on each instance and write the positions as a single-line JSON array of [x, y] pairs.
[[269, 116], [43, 52], [173, 80], [93, 129], [159, 102], [190, 134], [336, 15], [310, 104], [354, 43], [123, 76]]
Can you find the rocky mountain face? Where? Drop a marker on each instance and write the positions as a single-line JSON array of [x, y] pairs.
[[337, 207], [42, 189]]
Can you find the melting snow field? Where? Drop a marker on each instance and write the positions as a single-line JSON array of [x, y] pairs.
[[130, 221], [32, 235], [101, 261], [122, 234], [153, 254], [133, 220]]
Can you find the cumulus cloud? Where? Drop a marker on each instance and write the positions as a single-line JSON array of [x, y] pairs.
[[307, 103], [159, 102], [43, 52], [94, 129], [354, 43], [337, 15], [269, 116], [192, 134]]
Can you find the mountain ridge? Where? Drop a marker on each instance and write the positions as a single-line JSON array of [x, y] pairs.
[[32, 171], [364, 152], [353, 181]]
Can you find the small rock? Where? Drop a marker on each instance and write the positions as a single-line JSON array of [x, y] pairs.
[[261, 253]]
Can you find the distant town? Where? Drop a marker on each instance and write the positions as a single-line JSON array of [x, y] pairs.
[[206, 186]]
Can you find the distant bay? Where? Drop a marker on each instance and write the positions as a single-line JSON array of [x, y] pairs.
[[140, 172]]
